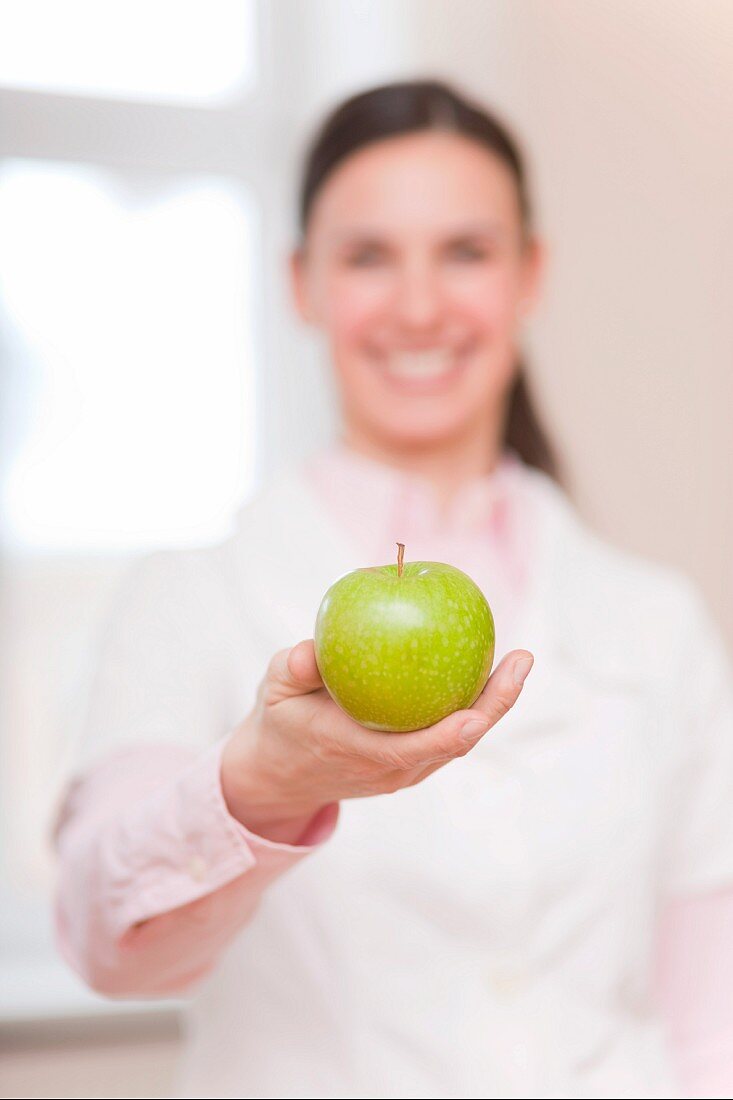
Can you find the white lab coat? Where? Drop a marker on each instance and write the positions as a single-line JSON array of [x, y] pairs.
[[488, 932]]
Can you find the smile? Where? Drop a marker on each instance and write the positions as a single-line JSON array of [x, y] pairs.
[[428, 370]]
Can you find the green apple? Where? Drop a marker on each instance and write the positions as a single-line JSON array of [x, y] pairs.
[[401, 646]]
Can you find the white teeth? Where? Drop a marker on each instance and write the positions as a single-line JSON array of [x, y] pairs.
[[420, 364]]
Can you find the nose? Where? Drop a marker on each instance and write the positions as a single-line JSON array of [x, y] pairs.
[[418, 300]]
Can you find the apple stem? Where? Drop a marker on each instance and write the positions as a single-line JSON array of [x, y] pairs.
[[400, 557]]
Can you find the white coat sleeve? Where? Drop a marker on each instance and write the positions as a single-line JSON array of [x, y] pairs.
[[159, 668]]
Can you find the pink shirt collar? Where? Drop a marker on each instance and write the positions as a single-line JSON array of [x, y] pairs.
[[384, 490]]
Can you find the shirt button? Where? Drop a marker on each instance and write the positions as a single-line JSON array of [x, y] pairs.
[[508, 981], [197, 868]]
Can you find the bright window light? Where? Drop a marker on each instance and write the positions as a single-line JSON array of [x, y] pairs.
[[195, 51], [130, 390]]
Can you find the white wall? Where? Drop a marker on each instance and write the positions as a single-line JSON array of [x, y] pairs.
[[626, 110]]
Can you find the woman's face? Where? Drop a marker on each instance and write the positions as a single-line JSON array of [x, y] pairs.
[[416, 271]]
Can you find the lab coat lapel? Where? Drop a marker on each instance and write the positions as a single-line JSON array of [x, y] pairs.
[[582, 668], [291, 552], [552, 695]]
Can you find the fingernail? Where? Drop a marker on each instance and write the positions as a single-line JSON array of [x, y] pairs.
[[521, 669], [473, 729]]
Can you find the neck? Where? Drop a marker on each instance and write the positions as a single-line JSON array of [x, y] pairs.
[[446, 464]]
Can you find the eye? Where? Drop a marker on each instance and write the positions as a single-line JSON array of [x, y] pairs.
[[468, 251], [369, 254]]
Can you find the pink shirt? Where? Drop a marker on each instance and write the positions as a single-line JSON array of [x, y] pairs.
[[156, 877]]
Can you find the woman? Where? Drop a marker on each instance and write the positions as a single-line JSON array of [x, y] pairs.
[[490, 927]]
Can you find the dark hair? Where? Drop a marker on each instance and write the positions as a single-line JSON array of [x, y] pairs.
[[410, 106]]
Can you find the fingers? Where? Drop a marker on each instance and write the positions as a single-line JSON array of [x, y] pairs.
[[504, 685], [460, 731], [293, 672]]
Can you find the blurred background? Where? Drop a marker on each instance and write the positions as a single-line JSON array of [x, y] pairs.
[[153, 373]]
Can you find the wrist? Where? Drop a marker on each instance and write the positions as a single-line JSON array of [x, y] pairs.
[[255, 800]]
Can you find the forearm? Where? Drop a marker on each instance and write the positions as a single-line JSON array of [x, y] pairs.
[[155, 875], [251, 796]]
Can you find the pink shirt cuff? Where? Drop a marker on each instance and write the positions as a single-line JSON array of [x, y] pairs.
[[138, 850], [193, 845]]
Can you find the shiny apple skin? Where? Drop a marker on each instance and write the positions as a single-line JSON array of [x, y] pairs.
[[399, 653]]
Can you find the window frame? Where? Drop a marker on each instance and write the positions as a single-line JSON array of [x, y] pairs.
[[168, 139]]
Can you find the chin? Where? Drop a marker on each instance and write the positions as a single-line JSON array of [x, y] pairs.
[[422, 431]]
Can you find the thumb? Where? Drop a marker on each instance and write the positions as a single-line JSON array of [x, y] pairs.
[[504, 685], [293, 672]]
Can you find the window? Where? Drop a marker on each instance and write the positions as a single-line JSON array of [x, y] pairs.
[[200, 51], [136, 186], [129, 317]]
